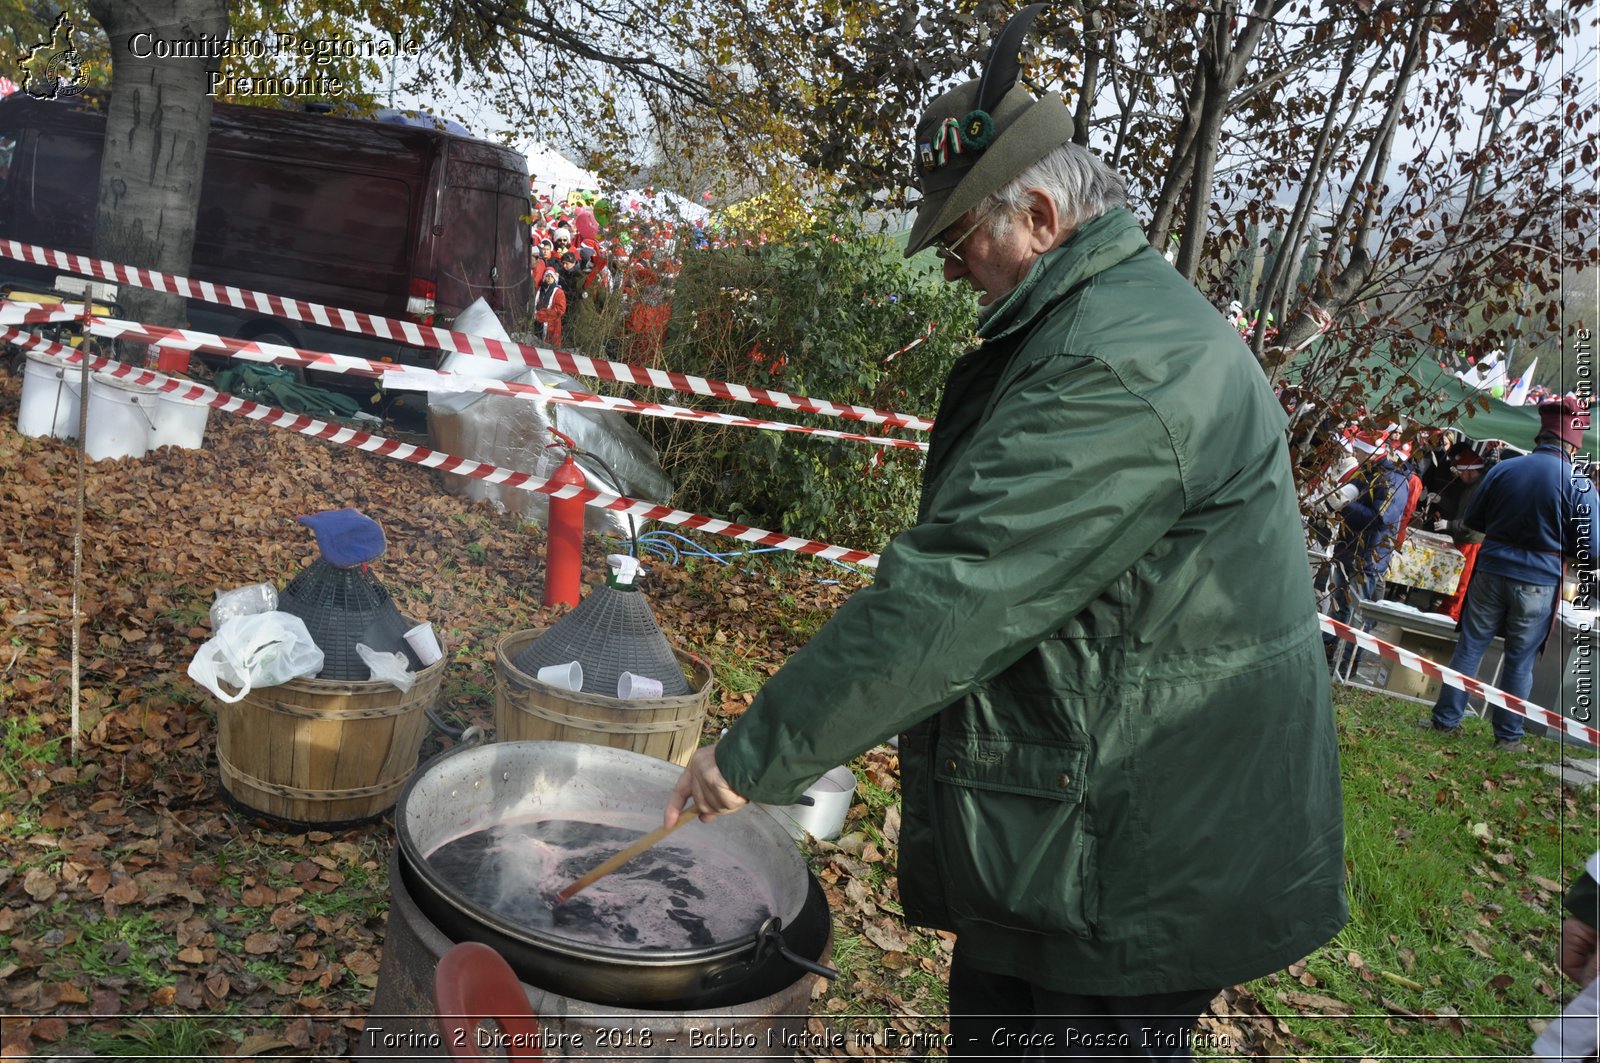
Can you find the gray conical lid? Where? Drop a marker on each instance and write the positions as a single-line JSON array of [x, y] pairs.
[[341, 607], [610, 632]]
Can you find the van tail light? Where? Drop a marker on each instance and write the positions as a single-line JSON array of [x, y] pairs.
[[420, 305]]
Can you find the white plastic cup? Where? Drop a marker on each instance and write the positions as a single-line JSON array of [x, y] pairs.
[[630, 686], [567, 676], [424, 643]]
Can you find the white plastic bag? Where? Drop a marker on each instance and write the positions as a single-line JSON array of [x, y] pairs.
[[392, 668], [258, 650]]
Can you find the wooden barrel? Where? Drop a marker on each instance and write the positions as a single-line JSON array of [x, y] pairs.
[[313, 751], [666, 728]]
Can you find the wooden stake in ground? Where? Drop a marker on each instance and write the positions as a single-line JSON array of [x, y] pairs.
[[77, 539]]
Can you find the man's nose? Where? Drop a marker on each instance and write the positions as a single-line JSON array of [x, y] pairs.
[[954, 269]]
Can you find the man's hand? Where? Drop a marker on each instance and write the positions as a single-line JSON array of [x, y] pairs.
[[703, 781], [1579, 959], [1441, 525]]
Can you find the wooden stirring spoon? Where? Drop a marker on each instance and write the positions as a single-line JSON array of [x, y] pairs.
[[608, 866]]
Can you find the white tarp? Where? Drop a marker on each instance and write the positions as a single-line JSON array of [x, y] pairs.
[[552, 173], [514, 433], [660, 205]]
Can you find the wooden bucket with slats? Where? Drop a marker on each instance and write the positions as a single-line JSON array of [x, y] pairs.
[[319, 752], [525, 709]]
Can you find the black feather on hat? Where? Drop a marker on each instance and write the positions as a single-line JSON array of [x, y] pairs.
[[975, 139]]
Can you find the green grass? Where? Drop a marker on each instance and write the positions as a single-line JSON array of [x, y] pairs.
[[24, 747], [124, 946], [734, 667], [1457, 856], [167, 1037]]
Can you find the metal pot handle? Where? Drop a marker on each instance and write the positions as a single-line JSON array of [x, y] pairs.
[[771, 937], [467, 736]]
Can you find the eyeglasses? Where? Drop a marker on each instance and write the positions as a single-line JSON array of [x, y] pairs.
[[947, 250]]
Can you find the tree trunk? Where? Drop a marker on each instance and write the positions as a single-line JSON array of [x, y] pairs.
[[157, 124]]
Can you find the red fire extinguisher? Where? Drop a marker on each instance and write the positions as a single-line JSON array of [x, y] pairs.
[[564, 531]]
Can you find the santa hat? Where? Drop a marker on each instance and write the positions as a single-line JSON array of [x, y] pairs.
[[1364, 442]]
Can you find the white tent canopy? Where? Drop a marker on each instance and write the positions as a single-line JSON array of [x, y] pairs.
[[660, 205], [552, 173]]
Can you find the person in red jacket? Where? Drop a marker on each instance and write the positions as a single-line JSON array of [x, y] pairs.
[[549, 306]]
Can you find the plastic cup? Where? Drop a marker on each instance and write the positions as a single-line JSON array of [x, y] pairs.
[[424, 643], [567, 676], [630, 686]]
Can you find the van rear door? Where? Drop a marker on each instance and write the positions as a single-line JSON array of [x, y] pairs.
[[482, 248]]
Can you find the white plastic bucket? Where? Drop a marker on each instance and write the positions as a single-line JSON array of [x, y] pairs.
[[121, 415], [178, 423], [49, 398], [824, 818]]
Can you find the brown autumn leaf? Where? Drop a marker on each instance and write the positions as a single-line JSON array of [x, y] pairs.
[[885, 935], [123, 891], [216, 986], [360, 962], [190, 954], [52, 1029], [1315, 1003], [261, 942], [1479, 944], [258, 1044], [39, 884]]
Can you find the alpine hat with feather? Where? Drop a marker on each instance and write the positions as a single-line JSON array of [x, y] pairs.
[[975, 139]]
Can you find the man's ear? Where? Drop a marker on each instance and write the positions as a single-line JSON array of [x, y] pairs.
[[1048, 226]]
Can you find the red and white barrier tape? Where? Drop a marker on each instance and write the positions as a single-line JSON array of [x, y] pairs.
[[417, 335], [919, 341], [188, 391], [413, 378], [1460, 680]]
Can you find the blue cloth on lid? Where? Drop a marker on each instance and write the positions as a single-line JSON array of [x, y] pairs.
[[346, 537]]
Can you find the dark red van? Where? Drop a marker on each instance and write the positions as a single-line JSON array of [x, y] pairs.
[[387, 219]]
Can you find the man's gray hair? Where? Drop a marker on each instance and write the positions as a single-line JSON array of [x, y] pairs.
[[1079, 181]]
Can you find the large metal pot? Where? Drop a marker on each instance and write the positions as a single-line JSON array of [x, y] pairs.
[[475, 788]]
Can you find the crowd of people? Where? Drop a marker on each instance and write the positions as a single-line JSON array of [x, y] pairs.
[[588, 250], [1516, 518]]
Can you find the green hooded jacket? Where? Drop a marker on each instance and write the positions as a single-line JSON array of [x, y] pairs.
[[1119, 763]]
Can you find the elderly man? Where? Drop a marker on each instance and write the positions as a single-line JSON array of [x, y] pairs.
[[1098, 643], [1533, 512]]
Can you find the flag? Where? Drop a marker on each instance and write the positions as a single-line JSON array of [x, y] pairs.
[[1518, 395]]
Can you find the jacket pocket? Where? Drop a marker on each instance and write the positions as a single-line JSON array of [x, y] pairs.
[[1012, 831]]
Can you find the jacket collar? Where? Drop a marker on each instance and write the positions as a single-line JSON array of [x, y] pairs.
[[1558, 451], [1100, 243]]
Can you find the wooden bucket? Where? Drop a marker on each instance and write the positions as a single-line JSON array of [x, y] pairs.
[[665, 728], [314, 751]]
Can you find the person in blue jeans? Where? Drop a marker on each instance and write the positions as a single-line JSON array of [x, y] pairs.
[[1371, 528], [1533, 511]]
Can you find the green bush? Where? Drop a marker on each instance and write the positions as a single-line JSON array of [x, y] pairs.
[[815, 316]]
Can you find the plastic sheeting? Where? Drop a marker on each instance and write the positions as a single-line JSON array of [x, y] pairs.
[[514, 432]]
